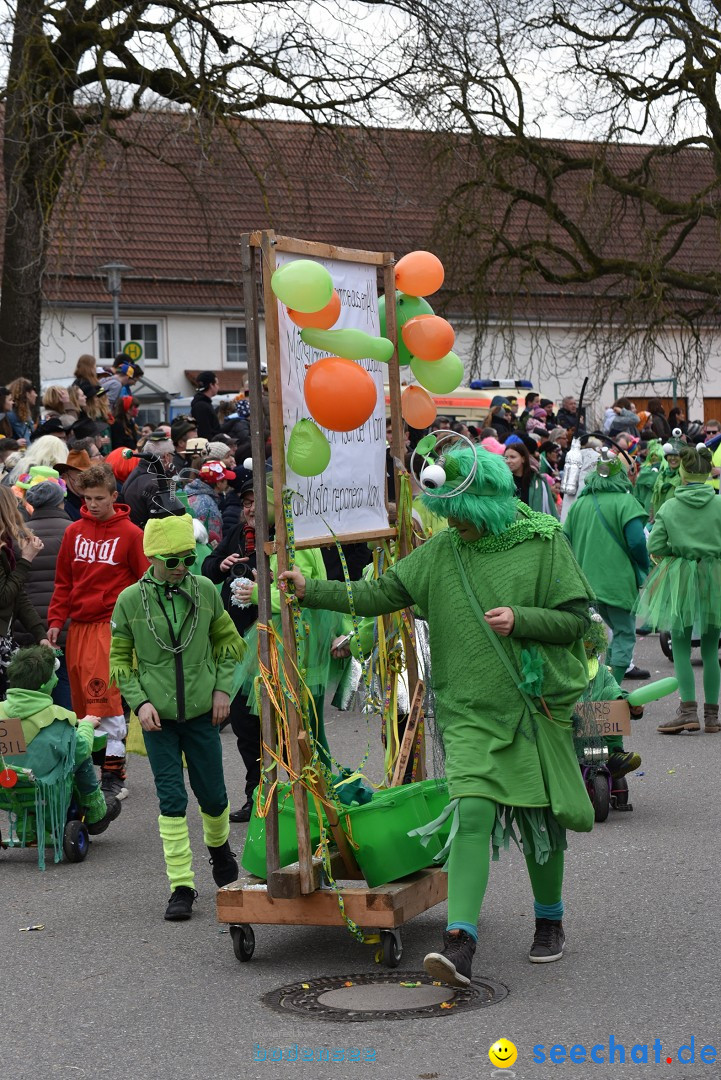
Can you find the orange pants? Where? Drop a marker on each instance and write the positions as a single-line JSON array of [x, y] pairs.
[[87, 654]]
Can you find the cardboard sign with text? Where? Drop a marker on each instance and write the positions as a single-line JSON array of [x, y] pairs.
[[12, 740], [603, 718]]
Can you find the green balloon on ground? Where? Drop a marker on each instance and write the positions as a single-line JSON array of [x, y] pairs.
[[308, 451], [407, 307], [439, 376], [350, 344], [303, 285]]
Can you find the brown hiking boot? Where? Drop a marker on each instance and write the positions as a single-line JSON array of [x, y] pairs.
[[710, 718], [686, 719]]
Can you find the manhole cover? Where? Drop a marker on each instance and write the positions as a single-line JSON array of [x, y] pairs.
[[381, 996]]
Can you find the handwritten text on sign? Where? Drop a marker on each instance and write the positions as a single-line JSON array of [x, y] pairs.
[[350, 495], [603, 718], [12, 740]]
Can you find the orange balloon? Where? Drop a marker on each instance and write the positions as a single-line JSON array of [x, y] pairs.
[[429, 337], [339, 393], [419, 273], [319, 320], [418, 408]]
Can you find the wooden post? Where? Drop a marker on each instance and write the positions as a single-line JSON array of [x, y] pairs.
[[275, 392], [257, 438], [394, 393]]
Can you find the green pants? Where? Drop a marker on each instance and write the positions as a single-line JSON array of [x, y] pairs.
[[469, 862], [199, 740], [709, 656], [623, 625]]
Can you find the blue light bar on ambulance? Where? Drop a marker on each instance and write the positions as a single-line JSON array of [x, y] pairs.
[[501, 384]]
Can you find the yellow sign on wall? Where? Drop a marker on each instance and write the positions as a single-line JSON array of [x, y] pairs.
[[133, 350]]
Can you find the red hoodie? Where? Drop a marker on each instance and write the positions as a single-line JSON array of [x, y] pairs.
[[97, 560]]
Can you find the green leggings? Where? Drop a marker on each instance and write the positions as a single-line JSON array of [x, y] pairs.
[[709, 656], [469, 863]]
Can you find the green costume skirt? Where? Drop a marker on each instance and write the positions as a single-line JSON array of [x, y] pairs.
[[681, 593]]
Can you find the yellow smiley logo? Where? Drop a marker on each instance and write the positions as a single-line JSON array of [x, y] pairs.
[[503, 1053]]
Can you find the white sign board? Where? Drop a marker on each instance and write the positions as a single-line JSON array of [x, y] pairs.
[[349, 497]]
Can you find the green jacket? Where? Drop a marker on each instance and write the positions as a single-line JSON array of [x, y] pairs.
[[173, 648], [689, 525], [604, 558]]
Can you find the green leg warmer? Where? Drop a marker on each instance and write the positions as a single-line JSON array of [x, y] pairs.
[[216, 830], [711, 669], [176, 849], [469, 862], [94, 806], [614, 743], [546, 879], [682, 663]]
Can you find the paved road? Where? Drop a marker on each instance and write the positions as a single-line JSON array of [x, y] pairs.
[[109, 991]]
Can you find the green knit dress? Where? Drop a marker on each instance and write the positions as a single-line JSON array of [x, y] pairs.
[[487, 731]]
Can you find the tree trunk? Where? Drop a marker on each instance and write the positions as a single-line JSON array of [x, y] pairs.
[[35, 145]]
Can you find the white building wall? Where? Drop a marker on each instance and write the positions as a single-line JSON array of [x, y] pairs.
[[550, 357]]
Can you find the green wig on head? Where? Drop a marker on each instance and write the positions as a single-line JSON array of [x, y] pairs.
[[31, 668], [654, 451], [488, 503]]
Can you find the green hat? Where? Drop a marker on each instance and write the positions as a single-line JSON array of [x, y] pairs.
[[673, 446], [609, 464], [168, 535], [696, 464]]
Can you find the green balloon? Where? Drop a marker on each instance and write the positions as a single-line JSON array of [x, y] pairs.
[[308, 451], [303, 285], [439, 376], [407, 307], [350, 344]]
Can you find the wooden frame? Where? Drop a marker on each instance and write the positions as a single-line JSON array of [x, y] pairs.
[[292, 894]]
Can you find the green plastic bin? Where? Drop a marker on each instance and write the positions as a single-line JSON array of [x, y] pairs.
[[254, 851], [380, 829]]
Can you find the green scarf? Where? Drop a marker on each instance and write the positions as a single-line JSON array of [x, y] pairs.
[[528, 524]]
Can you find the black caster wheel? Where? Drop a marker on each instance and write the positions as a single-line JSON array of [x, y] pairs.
[[664, 639], [392, 947], [76, 842], [600, 796], [619, 794], [243, 940]]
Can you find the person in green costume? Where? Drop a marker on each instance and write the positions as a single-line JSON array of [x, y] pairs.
[[323, 642], [603, 687], [669, 477], [648, 475], [605, 527], [683, 590], [59, 752], [534, 602], [173, 655]]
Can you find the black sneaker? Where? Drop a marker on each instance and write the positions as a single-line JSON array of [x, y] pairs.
[[453, 965], [622, 762], [112, 785], [243, 814], [114, 806], [548, 942], [180, 905], [637, 673], [225, 866]]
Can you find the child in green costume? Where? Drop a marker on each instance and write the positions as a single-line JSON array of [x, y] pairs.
[[603, 687], [605, 527], [173, 655], [683, 590], [669, 477], [648, 474], [59, 752], [518, 567]]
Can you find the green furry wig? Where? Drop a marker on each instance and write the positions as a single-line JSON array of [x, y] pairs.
[[489, 503], [617, 481], [654, 451], [31, 668], [595, 640]]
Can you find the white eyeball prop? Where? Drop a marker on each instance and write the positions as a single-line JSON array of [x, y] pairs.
[[433, 477], [248, 464], [677, 433], [700, 445]]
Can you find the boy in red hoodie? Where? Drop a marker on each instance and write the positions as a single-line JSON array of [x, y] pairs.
[[101, 554]]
